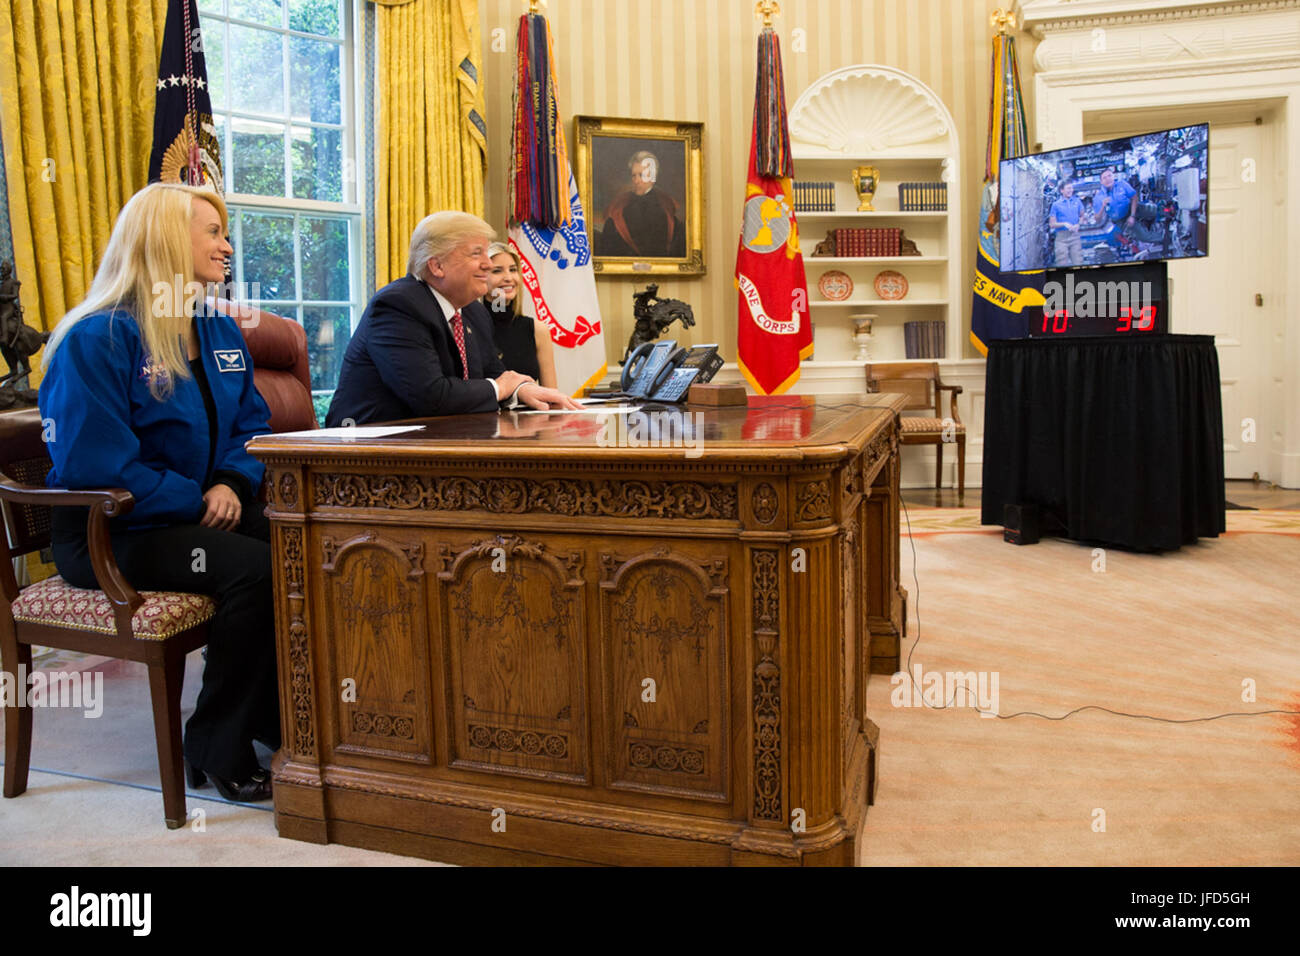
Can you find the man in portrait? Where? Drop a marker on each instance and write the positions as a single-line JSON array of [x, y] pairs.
[[642, 220]]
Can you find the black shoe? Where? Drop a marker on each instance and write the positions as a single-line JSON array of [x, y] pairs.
[[253, 790]]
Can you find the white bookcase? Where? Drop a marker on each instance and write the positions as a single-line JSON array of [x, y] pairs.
[[879, 116]]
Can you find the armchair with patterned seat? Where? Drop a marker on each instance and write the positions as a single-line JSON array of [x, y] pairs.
[[921, 383], [156, 628]]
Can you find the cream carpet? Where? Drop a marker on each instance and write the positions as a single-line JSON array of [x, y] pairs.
[[1170, 636]]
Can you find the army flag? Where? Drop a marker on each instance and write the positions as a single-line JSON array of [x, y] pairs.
[[1002, 302], [773, 333], [547, 228], [185, 147]]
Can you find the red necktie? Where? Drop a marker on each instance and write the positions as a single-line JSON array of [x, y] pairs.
[[458, 331]]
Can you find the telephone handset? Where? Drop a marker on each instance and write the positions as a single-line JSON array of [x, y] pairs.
[[662, 372]]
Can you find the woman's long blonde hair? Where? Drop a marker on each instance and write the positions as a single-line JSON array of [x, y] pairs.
[[148, 271]]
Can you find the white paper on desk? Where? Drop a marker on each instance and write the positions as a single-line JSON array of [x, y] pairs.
[[350, 432], [604, 410]]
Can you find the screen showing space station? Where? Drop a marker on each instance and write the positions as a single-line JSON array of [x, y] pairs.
[[1139, 198]]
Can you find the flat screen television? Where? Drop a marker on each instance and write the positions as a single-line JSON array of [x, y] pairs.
[[1134, 199]]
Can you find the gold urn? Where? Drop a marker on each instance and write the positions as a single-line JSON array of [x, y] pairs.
[[866, 179]]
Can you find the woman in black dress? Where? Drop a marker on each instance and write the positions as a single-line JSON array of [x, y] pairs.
[[523, 343]]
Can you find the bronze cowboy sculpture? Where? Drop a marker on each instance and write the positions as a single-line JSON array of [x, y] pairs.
[[18, 343], [654, 315]]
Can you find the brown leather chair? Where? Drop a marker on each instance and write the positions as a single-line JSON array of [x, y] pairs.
[[156, 628], [278, 347], [923, 387]]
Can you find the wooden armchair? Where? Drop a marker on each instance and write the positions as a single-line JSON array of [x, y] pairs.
[[922, 386], [156, 628]]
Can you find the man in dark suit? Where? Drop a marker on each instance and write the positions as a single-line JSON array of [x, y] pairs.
[[424, 344]]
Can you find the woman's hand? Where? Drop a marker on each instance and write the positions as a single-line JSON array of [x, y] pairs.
[[222, 509]]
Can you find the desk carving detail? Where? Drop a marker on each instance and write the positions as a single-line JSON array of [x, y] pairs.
[[560, 496], [765, 503], [767, 689], [813, 500], [304, 720], [667, 758]]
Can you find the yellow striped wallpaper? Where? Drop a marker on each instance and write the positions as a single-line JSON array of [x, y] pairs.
[[694, 60]]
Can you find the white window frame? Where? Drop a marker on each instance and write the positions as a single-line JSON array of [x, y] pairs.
[[351, 209]]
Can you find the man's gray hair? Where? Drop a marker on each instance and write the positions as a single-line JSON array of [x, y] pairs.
[[438, 234]]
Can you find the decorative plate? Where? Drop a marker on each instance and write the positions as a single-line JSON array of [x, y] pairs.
[[835, 285], [891, 285]]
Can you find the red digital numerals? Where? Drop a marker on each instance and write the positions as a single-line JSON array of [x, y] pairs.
[[1146, 320]]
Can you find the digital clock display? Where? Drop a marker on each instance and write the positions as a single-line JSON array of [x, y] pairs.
[[1113, 300], [1129, 319]]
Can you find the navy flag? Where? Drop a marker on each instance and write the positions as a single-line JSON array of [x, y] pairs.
[[1003, 302], [185, 147]]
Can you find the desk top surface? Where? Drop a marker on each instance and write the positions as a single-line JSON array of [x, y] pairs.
[[780, 426]]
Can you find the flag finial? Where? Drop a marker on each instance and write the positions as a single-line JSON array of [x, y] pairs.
[[765, 10], [1004, 20]]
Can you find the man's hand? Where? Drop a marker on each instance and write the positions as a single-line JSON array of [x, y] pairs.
[[1131, 220], [222, 509], [507, 382], [535, 396]]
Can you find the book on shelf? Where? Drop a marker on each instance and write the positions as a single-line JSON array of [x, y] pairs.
[[923, 197], [925, 339], [814, 196], [859, 242]]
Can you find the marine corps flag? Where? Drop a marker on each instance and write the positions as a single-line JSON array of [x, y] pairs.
[[547, 229], [1003, 301], [185, 147], [773, 333]]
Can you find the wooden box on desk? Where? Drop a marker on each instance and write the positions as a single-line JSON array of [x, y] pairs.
[[564, 651]]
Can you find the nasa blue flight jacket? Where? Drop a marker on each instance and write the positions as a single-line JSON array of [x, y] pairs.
[[106, 430]]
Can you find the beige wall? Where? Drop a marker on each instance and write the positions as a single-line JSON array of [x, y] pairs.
[[694, 60]]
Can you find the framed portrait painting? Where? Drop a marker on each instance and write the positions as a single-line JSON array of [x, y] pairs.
[[642, 188]]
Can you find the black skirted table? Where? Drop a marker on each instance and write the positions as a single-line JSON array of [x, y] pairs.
[[1116, 439]]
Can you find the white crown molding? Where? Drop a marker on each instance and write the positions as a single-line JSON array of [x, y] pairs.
[[1062, 78], [1225, 43], [1043, 17]]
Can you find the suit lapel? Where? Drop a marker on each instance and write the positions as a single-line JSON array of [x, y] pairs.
[[442, 327]]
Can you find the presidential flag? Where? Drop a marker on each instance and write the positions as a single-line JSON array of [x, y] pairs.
[[773, 333], [185, 146], [547, 228], [1003, 302]]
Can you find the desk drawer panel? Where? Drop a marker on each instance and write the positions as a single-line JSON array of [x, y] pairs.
[[513, 633], [664, 639], [376, 616]]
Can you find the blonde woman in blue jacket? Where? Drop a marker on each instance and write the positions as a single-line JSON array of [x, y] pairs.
[[147, 392]]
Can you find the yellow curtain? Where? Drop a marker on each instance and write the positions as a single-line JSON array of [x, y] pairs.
[[77, 85], [430, 136]]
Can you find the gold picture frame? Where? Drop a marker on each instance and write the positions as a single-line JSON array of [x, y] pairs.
[[630, 234]]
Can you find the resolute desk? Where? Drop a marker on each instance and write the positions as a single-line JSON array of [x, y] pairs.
[[539, 639]]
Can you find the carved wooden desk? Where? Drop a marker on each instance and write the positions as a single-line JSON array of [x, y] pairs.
[[503, 640]]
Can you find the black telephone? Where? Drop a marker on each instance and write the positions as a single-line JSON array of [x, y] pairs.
[[662, 372]]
